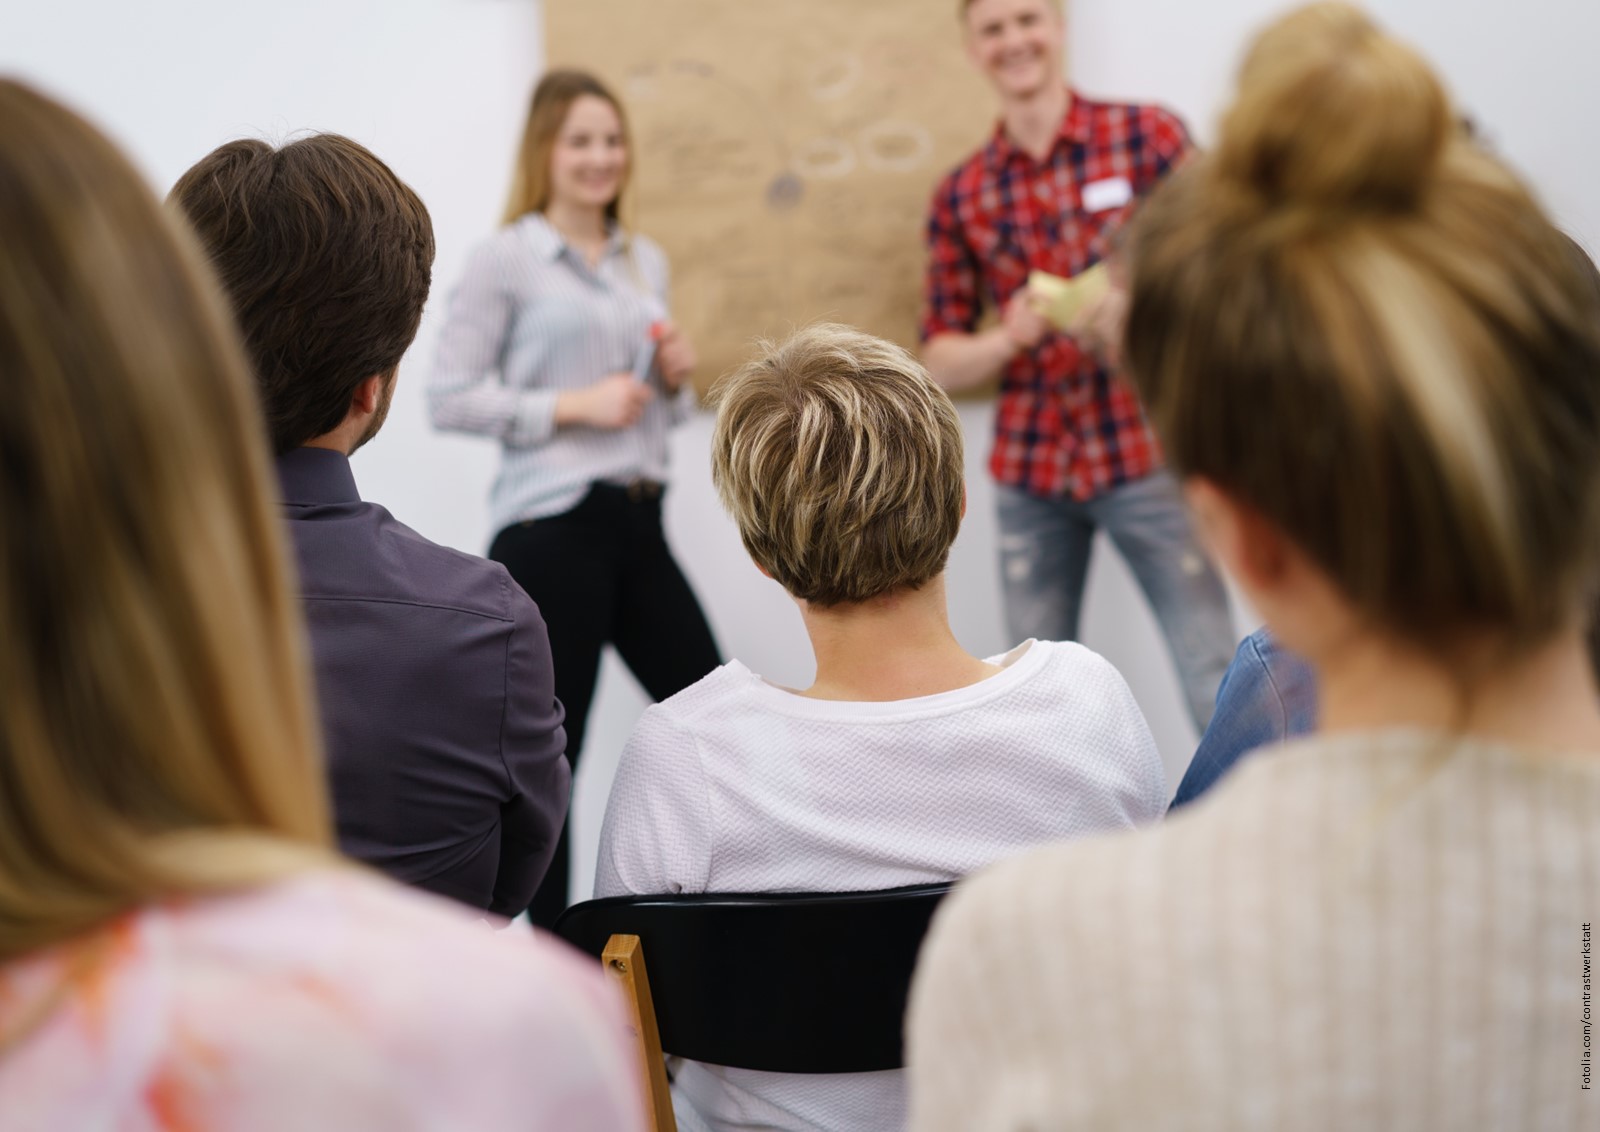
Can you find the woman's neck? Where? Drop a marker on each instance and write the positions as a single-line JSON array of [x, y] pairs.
[[580, 225], [1543, 699], [895, 647]]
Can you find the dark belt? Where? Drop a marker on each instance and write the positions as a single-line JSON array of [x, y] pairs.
[[641, 490]]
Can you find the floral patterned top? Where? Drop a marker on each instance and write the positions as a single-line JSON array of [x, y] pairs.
[[335, 1000]]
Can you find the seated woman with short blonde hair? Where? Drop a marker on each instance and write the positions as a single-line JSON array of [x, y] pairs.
[[1376, 365], [180, 945], [907, 760]]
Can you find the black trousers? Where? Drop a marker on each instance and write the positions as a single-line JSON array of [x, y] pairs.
[[602, 573]]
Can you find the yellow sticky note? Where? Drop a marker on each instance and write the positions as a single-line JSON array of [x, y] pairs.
[[1060, 299]]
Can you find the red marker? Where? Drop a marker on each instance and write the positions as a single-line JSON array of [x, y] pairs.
[[647, 355]]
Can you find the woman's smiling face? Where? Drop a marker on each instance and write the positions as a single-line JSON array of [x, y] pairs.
[[589, 161]]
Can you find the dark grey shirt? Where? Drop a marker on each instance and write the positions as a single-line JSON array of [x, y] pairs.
[[443, 732]]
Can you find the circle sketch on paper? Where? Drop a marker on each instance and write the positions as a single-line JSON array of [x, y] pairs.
[[898, 147], [696, 67], [834, 77], [641, 84], [826, 158], [785, 192]]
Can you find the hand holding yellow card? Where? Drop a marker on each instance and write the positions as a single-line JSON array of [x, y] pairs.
[[1060, 300]]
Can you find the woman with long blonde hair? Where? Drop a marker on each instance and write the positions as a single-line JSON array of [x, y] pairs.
[[558, 343], [1376, 364], [180, 947]]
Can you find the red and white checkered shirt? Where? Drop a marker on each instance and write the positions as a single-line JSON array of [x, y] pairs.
[[1064, 425]]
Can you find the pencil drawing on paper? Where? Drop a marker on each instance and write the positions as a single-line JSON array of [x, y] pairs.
[[784, 159]]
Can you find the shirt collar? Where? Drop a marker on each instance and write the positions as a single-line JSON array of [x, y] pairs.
[[547, 243], [310, 476], [1075, 127], [542, 236]]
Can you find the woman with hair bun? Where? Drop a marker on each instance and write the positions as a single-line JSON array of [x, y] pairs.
[[1376, 365]]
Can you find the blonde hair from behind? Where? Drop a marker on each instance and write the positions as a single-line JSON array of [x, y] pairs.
[[841, 463], [158, 735], [1362, 326], [547, 113], [1296, 129]]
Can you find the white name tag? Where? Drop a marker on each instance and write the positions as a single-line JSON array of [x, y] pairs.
[[1113, 192]]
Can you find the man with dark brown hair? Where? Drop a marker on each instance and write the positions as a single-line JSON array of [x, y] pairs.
[[443, 732]]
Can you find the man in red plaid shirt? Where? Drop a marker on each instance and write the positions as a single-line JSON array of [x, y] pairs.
[[1072, 450]]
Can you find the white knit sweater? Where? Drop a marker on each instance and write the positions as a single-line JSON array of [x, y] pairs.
[[1381, 931], [735, 785]]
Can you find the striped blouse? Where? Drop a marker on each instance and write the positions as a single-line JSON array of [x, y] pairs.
[[530, 320], [1390, 930]]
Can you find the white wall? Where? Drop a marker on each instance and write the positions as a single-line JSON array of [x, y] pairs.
[[1524, 71], [437, 88]]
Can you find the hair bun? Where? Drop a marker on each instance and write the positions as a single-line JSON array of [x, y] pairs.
[[1333, 112]]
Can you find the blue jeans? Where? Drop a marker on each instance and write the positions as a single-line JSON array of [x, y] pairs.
[[1267, 696], [1044, 559]]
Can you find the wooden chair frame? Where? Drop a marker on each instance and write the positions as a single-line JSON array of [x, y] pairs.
[[624, 962]]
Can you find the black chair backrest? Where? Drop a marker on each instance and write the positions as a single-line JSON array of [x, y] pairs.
[[788, 982]]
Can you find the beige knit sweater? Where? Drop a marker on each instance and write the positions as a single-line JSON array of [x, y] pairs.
[[1381, 931]]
